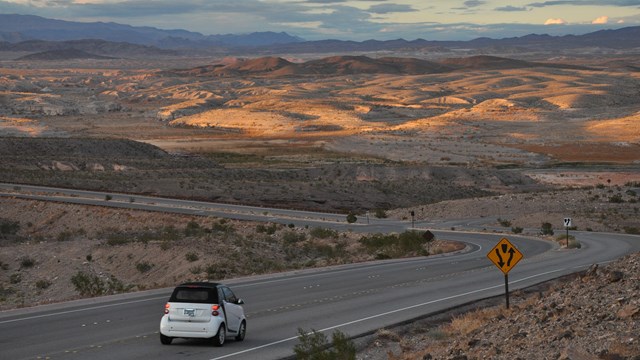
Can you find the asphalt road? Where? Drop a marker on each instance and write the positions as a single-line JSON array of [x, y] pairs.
[[355, 299]]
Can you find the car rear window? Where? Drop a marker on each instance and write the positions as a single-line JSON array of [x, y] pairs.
[[194, 295]]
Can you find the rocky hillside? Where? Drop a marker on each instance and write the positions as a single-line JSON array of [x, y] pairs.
[[589, 316]]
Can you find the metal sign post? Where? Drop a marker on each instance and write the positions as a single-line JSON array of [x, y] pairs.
[[505, 256], [567, 225]]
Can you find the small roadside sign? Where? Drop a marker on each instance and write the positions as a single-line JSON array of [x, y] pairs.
[[567, 222], [504, 255]]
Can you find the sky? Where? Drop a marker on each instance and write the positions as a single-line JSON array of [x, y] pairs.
[[349, 19]]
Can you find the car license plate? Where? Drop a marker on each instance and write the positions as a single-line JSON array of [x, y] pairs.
[[190, 312]]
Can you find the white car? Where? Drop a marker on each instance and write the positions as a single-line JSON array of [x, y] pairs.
[[203, 310]]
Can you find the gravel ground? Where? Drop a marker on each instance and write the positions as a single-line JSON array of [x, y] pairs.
[[593, 315]]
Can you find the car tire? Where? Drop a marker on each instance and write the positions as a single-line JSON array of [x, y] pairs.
[[242, 331], [218, 339], [165, 340]]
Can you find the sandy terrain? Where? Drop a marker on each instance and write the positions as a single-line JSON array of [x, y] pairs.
[[506, 147], [528, 116]]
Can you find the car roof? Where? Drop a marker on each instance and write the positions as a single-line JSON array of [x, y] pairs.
[[202, 284]]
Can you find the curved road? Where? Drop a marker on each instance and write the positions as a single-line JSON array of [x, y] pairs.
[[355, 299]]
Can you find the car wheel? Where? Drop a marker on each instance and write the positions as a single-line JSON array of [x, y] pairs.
[[218, 340], [165, 340], [242, 331]]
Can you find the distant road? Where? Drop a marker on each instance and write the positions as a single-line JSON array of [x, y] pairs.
[[200, 208], [355, 299]]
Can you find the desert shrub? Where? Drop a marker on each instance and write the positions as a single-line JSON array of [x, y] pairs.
[[380, 214], [9, 227], [504, 223], [616, 199], [315, 346], [222, 226], [437, 334], [517, 230], [4, 292], [64, 236], [108, 197], [323, 233], [93, 285], [4, 266], [599, 186], [351, 218], [88, 285], [633, 184], [574, 243], [320, 250], [377, 241], [411, 242], [191, 257], [193, 229], [215, 271], [292, 237], [144, 266], [169, 233], [269, 230], [631, 230], [118, 238], [392, 245], [546, 228], [43, 284], [27, 262], [631, 193], [15, 278]]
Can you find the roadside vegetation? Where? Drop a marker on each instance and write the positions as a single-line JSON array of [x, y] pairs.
[[96, 255], [314, 345]]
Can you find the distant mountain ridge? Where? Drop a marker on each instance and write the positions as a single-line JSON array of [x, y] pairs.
[[24, 27], [96, 47], [63, 54], [18, 28], [349, 65]]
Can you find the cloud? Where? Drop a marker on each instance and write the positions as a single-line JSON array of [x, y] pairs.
[[587, 2], [390, 8], [309, 19], [325, 1], [511, 8], [555, 21], [600, 20], [474, 3]]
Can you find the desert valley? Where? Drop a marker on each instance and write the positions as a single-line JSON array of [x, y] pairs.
[[517, 138]]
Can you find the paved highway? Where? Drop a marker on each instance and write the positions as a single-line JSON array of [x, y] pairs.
[[355, 299]]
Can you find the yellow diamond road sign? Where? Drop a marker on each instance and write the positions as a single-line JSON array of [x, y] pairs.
[[504, 255]]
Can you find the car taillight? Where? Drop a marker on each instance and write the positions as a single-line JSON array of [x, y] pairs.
[[214, 310], [166, 308]]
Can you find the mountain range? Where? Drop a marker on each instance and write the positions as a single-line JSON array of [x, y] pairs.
[[270, 66], [34, 33], [16, 28]]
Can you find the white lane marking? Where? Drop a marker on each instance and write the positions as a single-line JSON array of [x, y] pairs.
[[230, 282], [389, 313], [81, 310]]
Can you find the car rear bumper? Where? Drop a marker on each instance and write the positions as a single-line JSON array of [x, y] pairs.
[[182, 329]]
